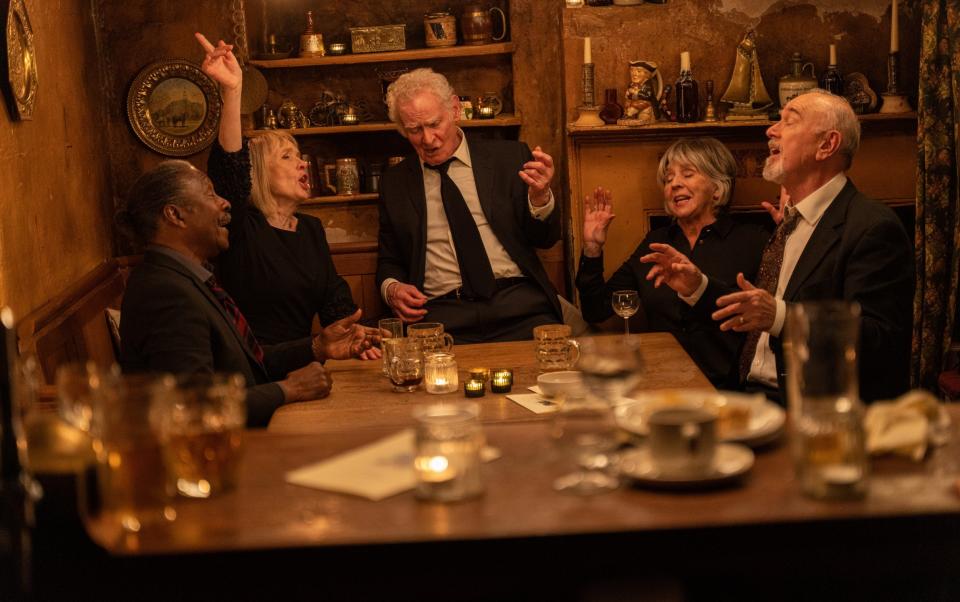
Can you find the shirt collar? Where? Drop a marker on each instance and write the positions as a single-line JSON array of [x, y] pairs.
[[462, 153], [195, 268], [815, 205]]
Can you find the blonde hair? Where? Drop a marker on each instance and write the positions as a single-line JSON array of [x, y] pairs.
[[410, 84], [263, 149], [709, 157]]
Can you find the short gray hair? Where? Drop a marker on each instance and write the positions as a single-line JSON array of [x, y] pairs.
[[709, 157], [165, 184], [410, 84], [838, 115]]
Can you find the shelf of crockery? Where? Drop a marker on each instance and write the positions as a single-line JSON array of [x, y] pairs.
[[502, 120], [669, 129], [363, 198], [386, 57]]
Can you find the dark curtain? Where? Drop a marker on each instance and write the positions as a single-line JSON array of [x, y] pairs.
[[938, 216]]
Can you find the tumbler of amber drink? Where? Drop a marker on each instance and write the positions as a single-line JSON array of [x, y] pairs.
[[131, 474], [201, 430]]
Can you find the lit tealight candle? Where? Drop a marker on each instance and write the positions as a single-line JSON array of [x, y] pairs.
[[434, 469], [502, 381], [482, 374], [486, 113], [473, 388]]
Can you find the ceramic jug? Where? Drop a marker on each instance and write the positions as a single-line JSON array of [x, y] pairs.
[[797, 82]]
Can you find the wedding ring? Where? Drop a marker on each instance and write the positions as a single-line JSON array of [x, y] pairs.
[[741, 320]]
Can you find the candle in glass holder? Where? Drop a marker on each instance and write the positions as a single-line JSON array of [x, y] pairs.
[[474, 388], [487, 113], [481, 374], [501, 381], [440, 373], [448, 443]]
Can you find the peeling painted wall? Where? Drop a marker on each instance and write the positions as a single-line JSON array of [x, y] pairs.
[[55, 190]]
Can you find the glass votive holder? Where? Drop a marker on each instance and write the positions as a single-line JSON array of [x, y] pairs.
[[474, 388], [440, 373], [485, 113], [448, 443], [481, 374], [501, 381]]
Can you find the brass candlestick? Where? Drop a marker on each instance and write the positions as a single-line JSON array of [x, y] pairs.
[[589, 111], [893, 100]]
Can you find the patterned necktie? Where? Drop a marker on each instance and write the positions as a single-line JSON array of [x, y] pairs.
[[767, 278], [239, 322], [475, 270]]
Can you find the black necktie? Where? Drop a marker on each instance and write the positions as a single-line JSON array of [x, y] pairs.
[[768, 276], [475, 271]]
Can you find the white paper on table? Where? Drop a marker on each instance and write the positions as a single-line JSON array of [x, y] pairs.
[[537, 404], [375, 471]]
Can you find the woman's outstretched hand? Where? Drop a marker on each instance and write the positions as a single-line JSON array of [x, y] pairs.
[[220, 63], [597, 215]]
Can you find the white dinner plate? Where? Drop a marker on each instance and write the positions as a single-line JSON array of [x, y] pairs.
[[766, 418], [731, 461]]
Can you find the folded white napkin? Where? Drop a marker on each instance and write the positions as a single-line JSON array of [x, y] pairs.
[[375, 471], [905, 425]]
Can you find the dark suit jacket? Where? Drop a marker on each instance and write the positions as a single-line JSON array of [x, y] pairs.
[[860, 252], [171, 322], [503, 197]]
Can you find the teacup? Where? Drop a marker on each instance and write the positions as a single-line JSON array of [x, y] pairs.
[[431, 337], [683, 441], [555, 349]]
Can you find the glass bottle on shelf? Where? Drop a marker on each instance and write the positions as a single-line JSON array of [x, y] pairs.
[[612, 110], [687, 93], [832, 79]]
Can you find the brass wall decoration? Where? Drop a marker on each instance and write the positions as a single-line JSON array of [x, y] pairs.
[[174, 108], [21, 61], [381, 38]]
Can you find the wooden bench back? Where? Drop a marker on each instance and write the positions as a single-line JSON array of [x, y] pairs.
[[72, 326]]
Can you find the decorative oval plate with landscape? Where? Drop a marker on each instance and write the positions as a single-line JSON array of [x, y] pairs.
[[174, 108], [21, 60]]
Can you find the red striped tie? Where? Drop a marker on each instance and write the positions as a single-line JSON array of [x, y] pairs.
[[241, 324]]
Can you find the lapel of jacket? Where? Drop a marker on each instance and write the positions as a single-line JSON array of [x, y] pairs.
[[825, 235], [168, 262], [484, 176]]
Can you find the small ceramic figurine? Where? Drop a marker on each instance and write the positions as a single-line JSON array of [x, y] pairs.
[[640, 100]]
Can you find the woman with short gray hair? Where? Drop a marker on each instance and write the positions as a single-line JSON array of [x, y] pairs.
[[697, 176]]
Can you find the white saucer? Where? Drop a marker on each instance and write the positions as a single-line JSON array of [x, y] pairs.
[[767, 419], [731, 461]]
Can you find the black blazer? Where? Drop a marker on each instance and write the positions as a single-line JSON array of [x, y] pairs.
[[860, 252], [171, 322], [503, 197]]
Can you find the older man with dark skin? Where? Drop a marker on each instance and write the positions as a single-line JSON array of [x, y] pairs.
[[460, 220], [176, 317], [835, 244]]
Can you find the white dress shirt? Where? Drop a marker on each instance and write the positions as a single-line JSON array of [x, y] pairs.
[[442, 271], [763, 369]]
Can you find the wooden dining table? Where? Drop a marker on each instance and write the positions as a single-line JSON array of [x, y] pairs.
[[363, 398], [522, 539]]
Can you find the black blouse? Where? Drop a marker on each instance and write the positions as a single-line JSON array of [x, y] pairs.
[[279, 279], [723, 249]]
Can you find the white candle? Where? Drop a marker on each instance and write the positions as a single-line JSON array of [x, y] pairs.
[[833, 54], [587, 58], [894, 28], [684, 61]]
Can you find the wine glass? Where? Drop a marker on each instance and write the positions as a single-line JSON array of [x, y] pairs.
[[625, 304], [584, 432]]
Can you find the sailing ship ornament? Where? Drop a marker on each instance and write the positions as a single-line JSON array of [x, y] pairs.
[[746, 93]]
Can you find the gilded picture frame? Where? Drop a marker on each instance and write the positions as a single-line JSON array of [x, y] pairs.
[[174, 108], [19, 61]]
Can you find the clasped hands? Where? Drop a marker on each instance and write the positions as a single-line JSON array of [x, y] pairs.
[[750, 308]]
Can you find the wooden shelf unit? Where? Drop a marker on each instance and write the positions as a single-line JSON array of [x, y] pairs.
[[502, 120], [417, 54]]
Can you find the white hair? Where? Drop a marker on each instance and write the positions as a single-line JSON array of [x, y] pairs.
[[838, 115], [410, 84]]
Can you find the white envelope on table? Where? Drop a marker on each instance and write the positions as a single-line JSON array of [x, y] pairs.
[[375, 471], [537, 404]]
